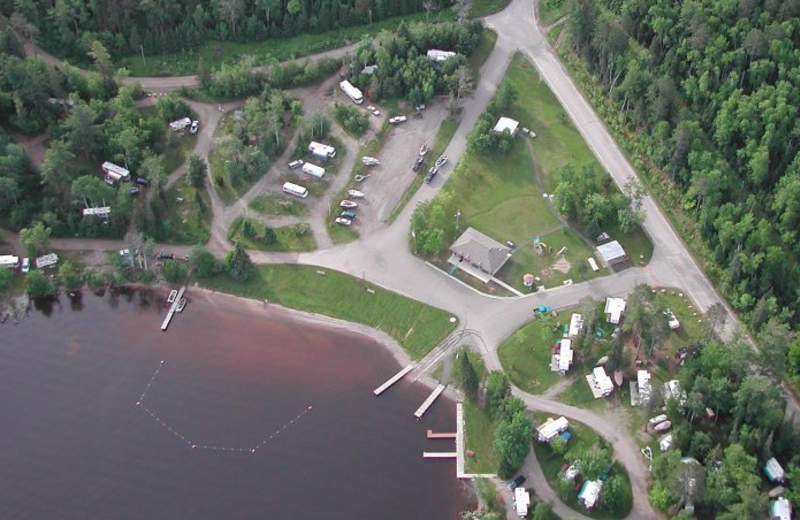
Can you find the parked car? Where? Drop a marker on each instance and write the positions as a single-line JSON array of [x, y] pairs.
[[343, 221], [431, 174], [134, 190], [396, 120], [517, 482], [193, 128], [296, 164], [26, 265], [162, 255], [142, 182], [348, 214], [418, 164], [374, 110]]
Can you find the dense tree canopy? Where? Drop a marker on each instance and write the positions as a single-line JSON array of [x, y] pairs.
[[713, 87]]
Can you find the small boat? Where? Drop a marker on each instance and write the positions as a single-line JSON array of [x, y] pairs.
[[348, 204], [369, 161], [356, 194], [663, 427], [424, 149], [441, 161], [181, 305], [171, 298], [360, 178]]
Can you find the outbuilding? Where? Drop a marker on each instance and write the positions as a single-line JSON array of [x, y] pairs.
[[506, 124], [781, 509], [611, 253]]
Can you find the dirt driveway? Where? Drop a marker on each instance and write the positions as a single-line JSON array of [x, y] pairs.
[[388, 182]]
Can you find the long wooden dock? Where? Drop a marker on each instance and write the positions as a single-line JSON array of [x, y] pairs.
[[432, 435], [439, 455], [429, 401], [395, 378], [172, 308]]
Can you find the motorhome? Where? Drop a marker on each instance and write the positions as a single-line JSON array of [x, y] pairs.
[[313, 170], [323, 151], [114, 172], [352, 92], [9, 261], [295, 189]]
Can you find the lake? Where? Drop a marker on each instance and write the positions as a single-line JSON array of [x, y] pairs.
[[234, 413]]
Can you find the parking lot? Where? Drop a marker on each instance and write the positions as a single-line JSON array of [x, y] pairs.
[[388, 182]]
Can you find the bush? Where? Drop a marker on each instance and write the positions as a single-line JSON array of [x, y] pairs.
[[353, 120], [174, 271], [70, 276], [38, 284], [94, 279], [5, 278], [201, 262], [238, 264]]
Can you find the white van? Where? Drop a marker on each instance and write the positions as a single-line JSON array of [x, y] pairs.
[[313, 170], [295, 189]]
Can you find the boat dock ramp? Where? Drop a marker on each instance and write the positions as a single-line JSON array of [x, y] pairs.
[[172, 308], [395, 378], [429, 401]]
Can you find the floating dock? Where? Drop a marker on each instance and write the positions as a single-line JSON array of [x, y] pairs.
[[460, 464], [429, 401], [395, 378], [439, 454], [432, 435], [172, 308]]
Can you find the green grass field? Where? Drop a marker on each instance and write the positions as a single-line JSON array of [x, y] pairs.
[[189, 223], [482, 8], [550, 11], [275, 204], [583, 437], [692, 328], [525, 356], [417, 327], [295, 238], [216, 53], [527, 260]]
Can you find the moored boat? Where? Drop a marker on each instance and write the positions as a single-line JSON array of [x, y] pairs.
[[181, 305], [171, 298], [348, 204], [424, 149], [356, 194]]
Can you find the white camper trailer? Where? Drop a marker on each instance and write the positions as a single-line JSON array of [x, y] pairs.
[[352, 92], [313, 170]]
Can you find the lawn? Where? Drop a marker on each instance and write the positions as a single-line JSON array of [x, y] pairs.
[[482, 52], [498, 195], [559, 143], [417, 327], [579, 394], [482, 8], [189, 220], [692, 327], [446, 132], [525, 356], [583, 437], [275, 204], [526, 259], [295, 238], [216, 53], [550, 11], [479, 435]]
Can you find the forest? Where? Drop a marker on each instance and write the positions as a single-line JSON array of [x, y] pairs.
[[712, 87], [69, 27]]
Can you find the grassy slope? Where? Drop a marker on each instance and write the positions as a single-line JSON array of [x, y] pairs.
[[295, 237], [189, 226], [527, 362], [479, 428], [275, 204], [215, 53], [558, 142], [417, 327]]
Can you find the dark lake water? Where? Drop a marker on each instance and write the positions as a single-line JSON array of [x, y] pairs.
[[228, 379]]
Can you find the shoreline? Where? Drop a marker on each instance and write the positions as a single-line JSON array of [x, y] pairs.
[[322, 321]]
